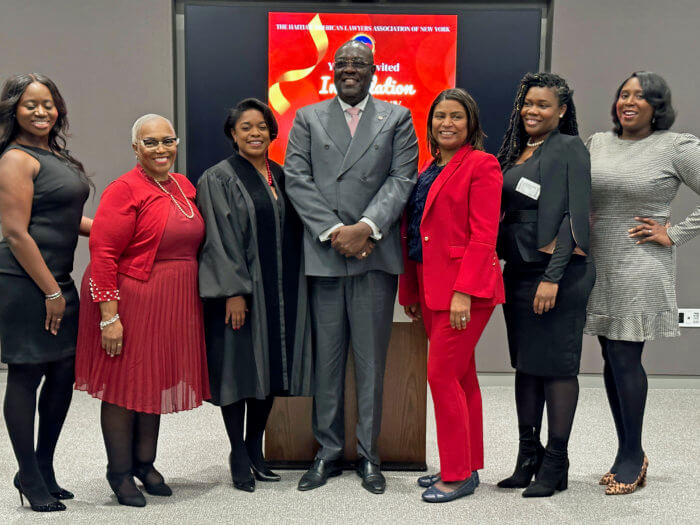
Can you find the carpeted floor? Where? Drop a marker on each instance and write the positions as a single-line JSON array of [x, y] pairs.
[[193, 453]]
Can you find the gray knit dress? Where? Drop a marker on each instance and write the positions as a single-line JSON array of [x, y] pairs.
[[634, 297]]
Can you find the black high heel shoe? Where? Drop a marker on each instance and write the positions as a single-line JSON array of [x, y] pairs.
[[50, 480], [116, 479], [53, 506], [247, 484], [142, 470], [264, 474], [530, 455]]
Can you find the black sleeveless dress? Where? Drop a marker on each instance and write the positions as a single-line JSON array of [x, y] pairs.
[[60, 192]]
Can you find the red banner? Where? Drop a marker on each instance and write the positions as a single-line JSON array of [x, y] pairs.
[[415, 57]]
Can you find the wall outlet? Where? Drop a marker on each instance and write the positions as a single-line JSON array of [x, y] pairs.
[[689, 317]]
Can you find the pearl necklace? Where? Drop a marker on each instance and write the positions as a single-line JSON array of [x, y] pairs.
[[531, 144], [191, 214]]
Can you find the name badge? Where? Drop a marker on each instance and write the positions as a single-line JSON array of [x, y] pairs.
[[528, 188]]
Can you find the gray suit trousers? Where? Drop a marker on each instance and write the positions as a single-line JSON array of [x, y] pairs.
[[359, 310]]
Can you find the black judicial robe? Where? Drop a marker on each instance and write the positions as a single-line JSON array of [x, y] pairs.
[[253, 248]]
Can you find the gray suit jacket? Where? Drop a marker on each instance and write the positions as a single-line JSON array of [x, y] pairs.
[[332, 177]]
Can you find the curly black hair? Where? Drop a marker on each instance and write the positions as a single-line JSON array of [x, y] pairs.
[[515, 137], [656, 92], [12, 92], [234, 114]]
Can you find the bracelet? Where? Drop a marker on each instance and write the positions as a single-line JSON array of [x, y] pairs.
[[105, 324], [54, 296]]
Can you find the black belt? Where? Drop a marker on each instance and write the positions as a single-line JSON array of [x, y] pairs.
[[512, 217]]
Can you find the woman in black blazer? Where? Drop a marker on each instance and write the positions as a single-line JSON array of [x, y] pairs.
[[544, 238]]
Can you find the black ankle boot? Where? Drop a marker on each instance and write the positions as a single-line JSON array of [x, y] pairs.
[[552, 476], [530, 454]]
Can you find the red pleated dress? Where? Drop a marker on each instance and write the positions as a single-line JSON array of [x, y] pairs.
[[162, 367]]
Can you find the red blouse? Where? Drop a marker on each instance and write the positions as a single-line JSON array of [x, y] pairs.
[[127, 230]]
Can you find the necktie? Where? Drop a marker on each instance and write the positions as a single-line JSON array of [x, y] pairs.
[[354, 113]]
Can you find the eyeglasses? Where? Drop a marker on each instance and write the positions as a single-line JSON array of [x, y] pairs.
[[344, 64], [168, 142]]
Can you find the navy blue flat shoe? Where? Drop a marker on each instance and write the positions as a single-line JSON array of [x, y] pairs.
[[428, 480], [435, 495]]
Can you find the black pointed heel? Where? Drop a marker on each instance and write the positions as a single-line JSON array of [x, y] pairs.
[[247, 484], [53, 506], [142, 470], [50, 479], [116, 479], [264, 474], [62, 494]]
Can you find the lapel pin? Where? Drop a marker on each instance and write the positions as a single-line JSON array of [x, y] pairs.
[[381, 117]]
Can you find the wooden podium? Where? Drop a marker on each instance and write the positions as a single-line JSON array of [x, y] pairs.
[[289, 441]]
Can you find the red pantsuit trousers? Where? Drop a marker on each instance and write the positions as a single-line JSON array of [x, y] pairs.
[[455, 388]]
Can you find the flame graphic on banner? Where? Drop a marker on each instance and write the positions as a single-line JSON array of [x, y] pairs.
[[277, 100]]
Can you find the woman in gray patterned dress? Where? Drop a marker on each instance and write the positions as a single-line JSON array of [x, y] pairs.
[[636, 171]]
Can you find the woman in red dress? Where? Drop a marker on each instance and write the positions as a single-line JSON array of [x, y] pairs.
[[141, 341]]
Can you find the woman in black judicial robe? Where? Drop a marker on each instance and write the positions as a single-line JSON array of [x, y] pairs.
[[544, 239], [251, 279]]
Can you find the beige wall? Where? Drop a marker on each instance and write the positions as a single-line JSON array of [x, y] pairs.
[[112, 61]]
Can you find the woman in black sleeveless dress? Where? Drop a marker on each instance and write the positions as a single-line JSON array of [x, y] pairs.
[[42, 193]]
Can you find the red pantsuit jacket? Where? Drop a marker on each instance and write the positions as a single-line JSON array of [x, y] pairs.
[[458, 235]]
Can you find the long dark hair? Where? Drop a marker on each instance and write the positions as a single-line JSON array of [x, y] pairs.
[[515, 138], [475, 135], [656, 92], [12, 91]]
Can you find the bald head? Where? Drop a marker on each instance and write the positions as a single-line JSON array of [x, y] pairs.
[[353, 71], [362, 49]]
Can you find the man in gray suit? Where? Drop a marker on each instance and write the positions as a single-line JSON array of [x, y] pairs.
[[350, 167]]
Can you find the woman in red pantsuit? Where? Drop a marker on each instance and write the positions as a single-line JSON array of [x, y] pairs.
[[453, 281], [141, 337]]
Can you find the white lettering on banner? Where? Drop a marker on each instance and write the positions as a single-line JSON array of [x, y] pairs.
[[391, 87], [388, 87], [380, 67]]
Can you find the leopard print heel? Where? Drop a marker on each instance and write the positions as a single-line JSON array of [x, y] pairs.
[[607, 478], [616, 488]]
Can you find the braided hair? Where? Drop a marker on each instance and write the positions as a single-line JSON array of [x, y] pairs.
[[515, 138]]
